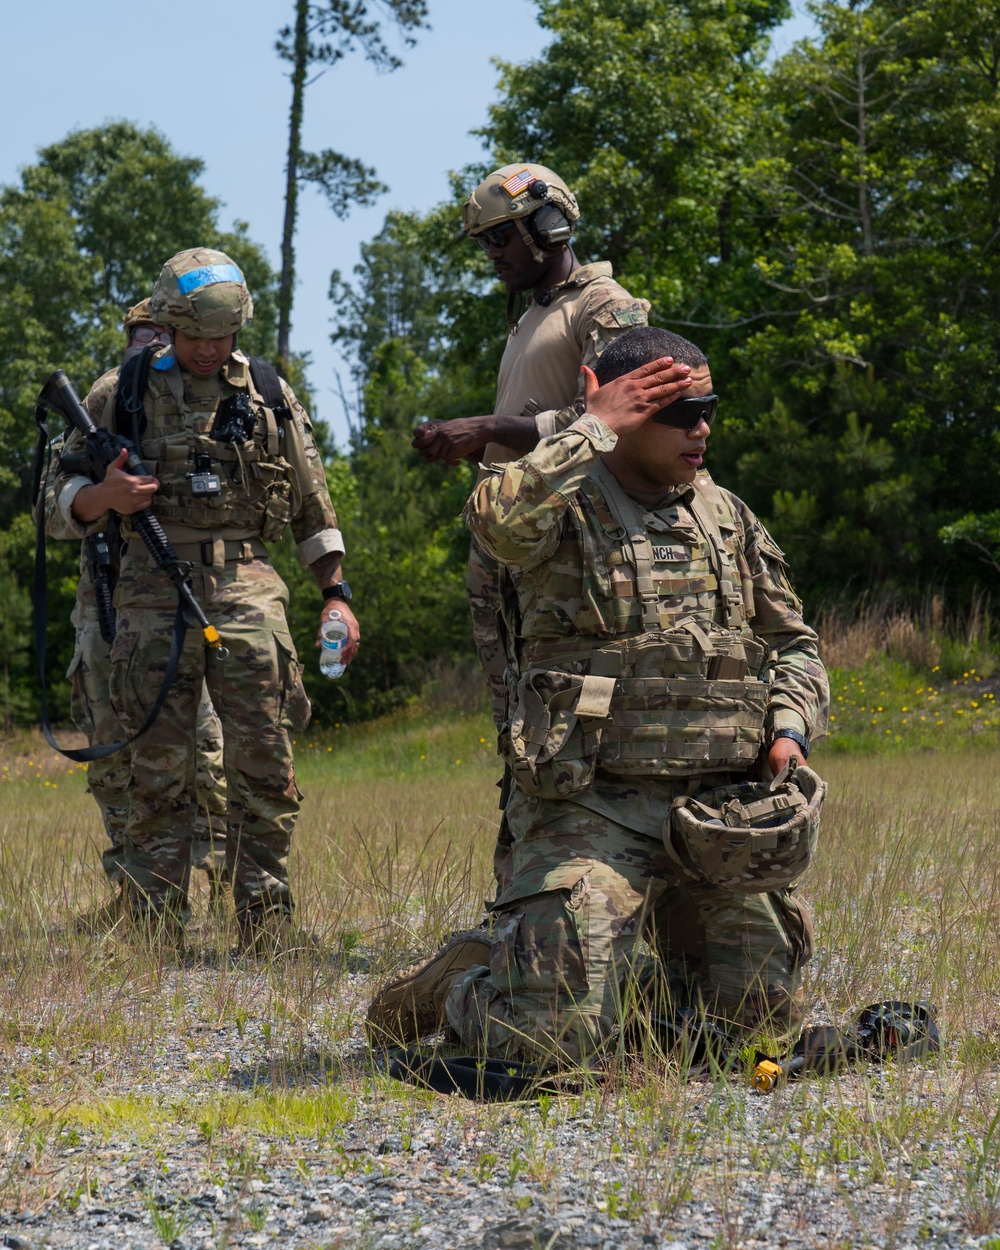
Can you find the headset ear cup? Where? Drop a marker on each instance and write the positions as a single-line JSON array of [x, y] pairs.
[[550, 228]]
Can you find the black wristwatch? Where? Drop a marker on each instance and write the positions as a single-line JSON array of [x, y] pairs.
[[339, 590], [795, 736]]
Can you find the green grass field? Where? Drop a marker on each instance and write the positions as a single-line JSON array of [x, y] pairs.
[[215, 1072]]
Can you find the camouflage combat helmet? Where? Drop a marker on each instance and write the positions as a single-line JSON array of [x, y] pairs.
[[138, 315], [141, 331], [751, 837], [535, 199], [202, 293]]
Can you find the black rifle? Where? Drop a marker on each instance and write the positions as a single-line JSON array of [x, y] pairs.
[[105, 447], [103, 557]]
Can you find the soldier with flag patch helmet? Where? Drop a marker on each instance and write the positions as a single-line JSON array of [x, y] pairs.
[[523, 216], [536, 201]]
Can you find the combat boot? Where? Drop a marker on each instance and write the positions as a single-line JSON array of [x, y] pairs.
[[411, 1005], [273, 935], [208, 855], [159, 930], [100, 918], [155, 920]]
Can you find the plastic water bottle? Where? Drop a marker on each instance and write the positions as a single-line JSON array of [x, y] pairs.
[[334, 635]]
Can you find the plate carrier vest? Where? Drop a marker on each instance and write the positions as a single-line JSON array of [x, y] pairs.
[[676, 701]]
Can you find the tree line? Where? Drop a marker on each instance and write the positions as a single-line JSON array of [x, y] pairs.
[[825, 224]]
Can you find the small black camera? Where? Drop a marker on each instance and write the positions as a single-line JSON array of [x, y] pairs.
[[203, 480], [235, 420]]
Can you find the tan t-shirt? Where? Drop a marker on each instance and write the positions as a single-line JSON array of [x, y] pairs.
[[541, 363]]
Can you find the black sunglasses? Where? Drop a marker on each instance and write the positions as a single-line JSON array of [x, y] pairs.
[[494, 236], [687, 411]]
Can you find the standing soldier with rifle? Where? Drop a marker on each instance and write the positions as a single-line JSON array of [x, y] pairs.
[[90, 673], [232, 462]]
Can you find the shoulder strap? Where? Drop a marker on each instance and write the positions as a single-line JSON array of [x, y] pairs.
[[266, 380], [85, 755], [702, 500], [630, 518], [130, 415]]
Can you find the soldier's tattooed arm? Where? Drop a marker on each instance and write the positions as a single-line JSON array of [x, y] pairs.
[[326, 570]]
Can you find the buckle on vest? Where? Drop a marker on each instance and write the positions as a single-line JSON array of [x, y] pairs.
[[206, 552]]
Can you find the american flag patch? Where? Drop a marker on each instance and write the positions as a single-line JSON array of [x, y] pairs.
[[516, 183]]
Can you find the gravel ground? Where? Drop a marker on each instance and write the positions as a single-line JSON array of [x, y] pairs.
[[663, 1163]]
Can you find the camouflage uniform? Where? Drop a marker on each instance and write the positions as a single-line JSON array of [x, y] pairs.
[[89, 675], [275, 479], [636, 631], [540, 374]]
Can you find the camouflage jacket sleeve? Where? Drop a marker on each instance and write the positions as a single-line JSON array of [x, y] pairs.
[[516, 511], [314, 522], [800, 695], [56, 525], [551, 422], [61, 488]]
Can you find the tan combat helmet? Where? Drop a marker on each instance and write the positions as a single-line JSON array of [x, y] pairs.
[[202, 293], [138, 315], [538, 202]]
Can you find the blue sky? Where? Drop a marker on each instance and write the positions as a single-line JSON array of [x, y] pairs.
[[206, 75]]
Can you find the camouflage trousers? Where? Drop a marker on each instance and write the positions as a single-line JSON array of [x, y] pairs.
[[484, 604], [107, 779], [584, 889], [258, 696]]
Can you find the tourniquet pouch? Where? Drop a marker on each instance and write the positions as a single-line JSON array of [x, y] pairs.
[[555, 731], [753, 837]]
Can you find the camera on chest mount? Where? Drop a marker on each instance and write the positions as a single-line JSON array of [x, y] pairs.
[[203, 480], [235, 420]]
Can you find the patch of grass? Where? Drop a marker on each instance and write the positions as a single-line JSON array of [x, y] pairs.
[[169, 1220], [404, 744], [259, 1070], [887, 706], [282, 1114]]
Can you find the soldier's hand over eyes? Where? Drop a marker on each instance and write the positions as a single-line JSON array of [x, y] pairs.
[[629, 401]]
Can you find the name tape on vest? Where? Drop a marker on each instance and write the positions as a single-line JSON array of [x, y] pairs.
[[671, 555]]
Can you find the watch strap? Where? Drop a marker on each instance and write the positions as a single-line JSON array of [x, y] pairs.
[[799, 739]]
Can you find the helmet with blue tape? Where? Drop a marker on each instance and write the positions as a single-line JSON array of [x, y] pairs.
[[203, 293]]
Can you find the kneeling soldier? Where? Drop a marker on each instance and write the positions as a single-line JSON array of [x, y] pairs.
[[655, 650]]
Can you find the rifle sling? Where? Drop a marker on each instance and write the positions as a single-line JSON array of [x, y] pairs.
[[84, 755]]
